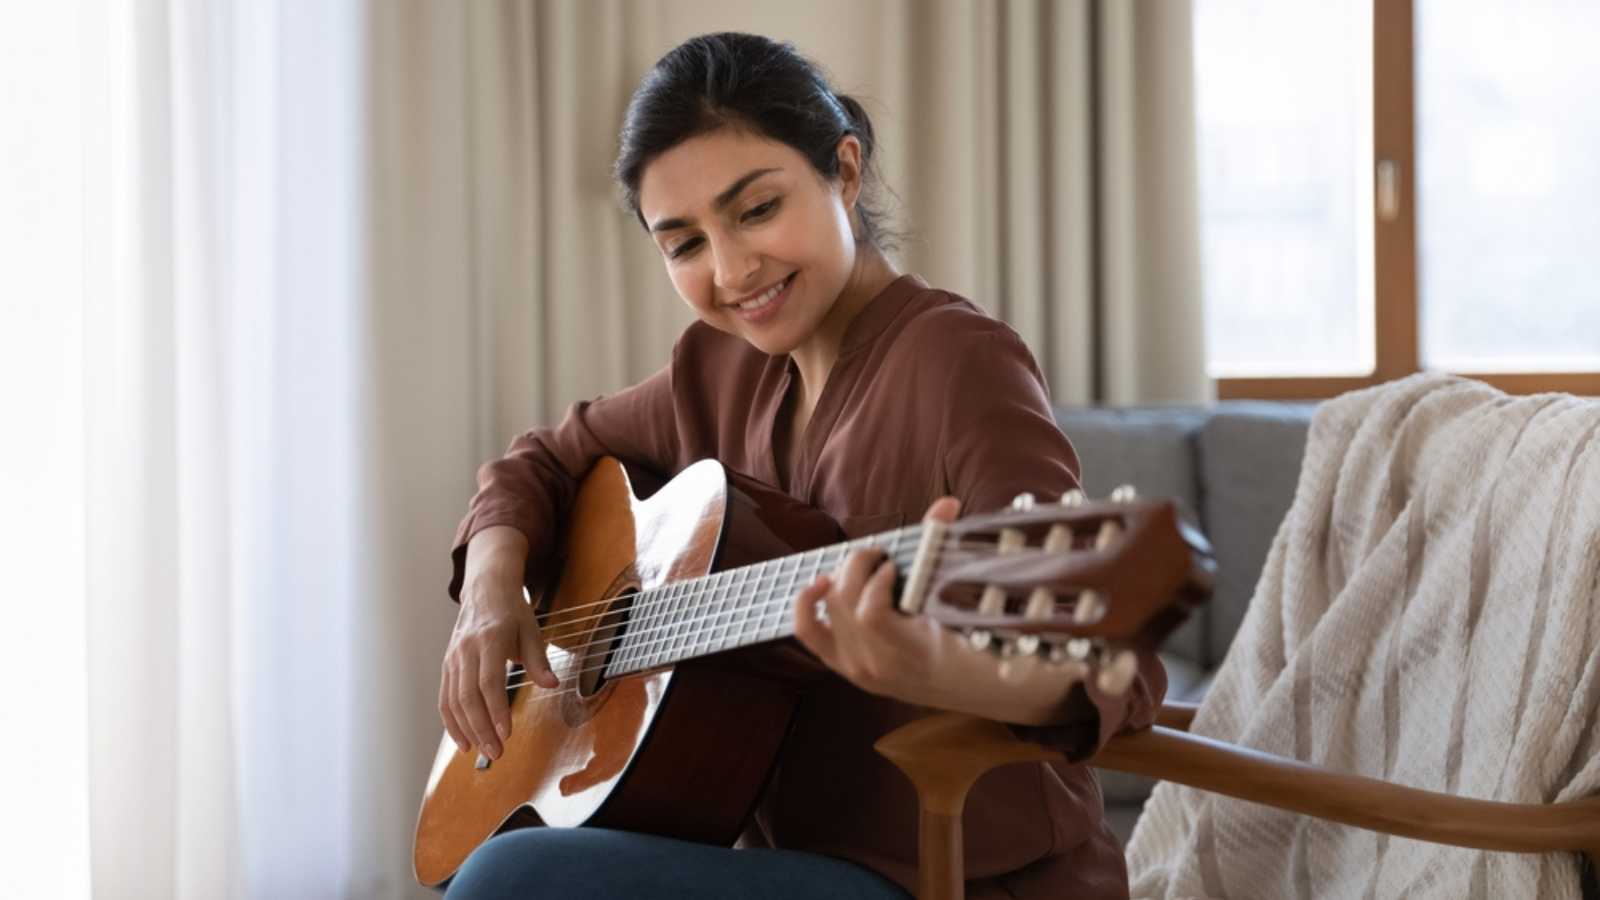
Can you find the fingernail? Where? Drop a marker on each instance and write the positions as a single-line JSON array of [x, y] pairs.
[[492, 751], [503, 730]]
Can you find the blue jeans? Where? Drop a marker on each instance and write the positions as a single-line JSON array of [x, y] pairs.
[[576, 863]]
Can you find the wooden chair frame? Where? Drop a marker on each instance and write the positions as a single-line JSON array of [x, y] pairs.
[[944, 754]]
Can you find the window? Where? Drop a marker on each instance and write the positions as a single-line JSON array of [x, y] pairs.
[[1398, 185]]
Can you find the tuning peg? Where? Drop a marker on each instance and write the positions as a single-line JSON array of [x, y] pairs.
[[1073, 497], [1080, 648], [1041, 603], [1026, 645], [980, 638], [1022, 502], [1115, 678], [1107, 534], [1124, 493], [1012, 540], [1089, 608], [1059, 540]]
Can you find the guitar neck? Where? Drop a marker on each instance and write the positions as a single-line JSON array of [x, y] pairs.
[[738, 607]]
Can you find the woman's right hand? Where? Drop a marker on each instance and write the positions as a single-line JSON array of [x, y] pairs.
[[495, 624]]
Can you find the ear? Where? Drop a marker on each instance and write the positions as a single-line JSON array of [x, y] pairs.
[[849, 153]]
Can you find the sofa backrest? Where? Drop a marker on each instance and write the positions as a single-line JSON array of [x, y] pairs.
[[1232, 468]]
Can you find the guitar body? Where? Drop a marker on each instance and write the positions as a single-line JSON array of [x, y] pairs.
[[680, 751]]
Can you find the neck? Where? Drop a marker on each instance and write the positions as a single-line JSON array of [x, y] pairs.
[[814, 358], [737, 607]]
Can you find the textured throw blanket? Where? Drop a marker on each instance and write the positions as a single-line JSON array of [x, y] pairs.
[[1429, 614]]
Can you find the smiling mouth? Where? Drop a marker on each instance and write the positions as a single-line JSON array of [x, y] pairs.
[[766, 296]]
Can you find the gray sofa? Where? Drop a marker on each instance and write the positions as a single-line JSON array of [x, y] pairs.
[[1233, 468]]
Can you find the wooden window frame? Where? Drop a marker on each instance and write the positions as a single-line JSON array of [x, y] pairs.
[[1397, 342]]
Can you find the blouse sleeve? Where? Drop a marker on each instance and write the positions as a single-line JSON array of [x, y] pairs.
[[532, 486], [1000, 439]]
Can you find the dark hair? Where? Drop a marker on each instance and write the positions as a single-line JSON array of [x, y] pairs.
[[751, 82]]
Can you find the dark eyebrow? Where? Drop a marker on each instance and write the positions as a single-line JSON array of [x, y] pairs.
[[720, 201]]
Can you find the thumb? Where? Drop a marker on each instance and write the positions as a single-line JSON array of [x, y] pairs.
[[533, 656], [944, 509]]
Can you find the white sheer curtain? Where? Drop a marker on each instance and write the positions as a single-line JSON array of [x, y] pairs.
[[219, 488]]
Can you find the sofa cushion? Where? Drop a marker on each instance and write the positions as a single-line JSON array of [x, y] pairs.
[[1152, 449], [1249, 460]]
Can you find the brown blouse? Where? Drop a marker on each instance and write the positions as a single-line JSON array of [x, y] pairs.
[[930, 396]]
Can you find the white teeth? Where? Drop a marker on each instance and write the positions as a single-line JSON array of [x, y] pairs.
[[765, 298]]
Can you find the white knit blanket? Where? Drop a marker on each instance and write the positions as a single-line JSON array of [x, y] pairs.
[[1429, 614]]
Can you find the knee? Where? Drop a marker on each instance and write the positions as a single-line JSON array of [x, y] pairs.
[[505, 867]]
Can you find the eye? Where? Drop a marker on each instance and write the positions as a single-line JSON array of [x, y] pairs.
[[683, 249], [760, 212]]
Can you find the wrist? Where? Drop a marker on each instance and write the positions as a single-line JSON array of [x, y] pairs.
[[496, 557]]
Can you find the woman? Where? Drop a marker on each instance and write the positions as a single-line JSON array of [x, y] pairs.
[[816, 366]]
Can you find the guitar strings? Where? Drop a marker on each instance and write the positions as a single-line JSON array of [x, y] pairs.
[[651, 621], [552, 623], [689, 640], [969, 550], [876, 541], [848, 546], [656, 631]]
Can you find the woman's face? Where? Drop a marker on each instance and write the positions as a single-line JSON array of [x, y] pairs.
[[736, 216]]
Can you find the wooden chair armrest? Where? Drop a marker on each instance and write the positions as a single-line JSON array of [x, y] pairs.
[[1355, 800], [944, 754], [1175, 715]]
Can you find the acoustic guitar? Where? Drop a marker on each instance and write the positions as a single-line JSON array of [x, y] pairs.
[[648, 599]]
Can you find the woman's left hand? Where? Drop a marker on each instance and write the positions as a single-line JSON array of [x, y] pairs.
[[913, 658]]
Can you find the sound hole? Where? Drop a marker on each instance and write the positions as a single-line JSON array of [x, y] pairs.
[[604, 642]]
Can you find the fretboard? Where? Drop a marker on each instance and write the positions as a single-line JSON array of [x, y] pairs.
[[738, 607]]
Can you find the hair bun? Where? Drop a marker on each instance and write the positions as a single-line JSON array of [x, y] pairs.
[[861, 123]]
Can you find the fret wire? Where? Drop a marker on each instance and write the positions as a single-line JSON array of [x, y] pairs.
[[678, 626], [735, 596], [714, 607], [652, 607], [691, 633], [758, 627], [682, 633], [719, 603], [731, 611], [660, 624], [761, 620], [697, 636], [742, 614], [734, 600], [692, 614], [786, 627], [785, 610], [747, 598], [657, 622]]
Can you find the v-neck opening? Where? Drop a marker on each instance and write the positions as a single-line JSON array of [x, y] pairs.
[[794, 478], [788, 470]]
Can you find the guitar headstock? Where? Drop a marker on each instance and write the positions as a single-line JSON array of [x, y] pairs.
[[1082, 584]]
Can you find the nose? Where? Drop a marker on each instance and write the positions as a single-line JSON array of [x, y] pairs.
[[734, 266]]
